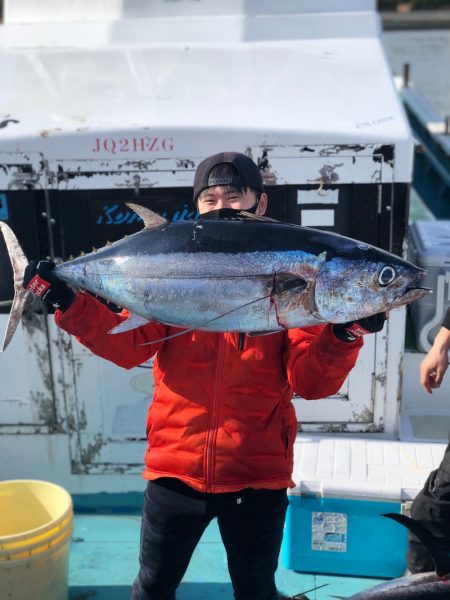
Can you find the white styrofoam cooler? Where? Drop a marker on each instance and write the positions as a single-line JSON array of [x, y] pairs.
[[343, 487]]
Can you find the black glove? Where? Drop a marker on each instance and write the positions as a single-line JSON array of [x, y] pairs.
[[40, 281], [349, 332]]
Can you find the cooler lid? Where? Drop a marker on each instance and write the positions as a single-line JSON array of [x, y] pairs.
[[432, 242], [362, 468]]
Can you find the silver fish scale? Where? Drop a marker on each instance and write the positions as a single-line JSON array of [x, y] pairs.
[[202, 264], [195, 290]]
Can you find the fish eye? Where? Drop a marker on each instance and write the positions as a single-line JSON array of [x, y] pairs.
[[386, 275]]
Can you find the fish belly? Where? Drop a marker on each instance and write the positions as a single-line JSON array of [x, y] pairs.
[[212, 304]]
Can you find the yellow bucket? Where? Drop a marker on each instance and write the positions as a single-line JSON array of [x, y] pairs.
[[36, 523]]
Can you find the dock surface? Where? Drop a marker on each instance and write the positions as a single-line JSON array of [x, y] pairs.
[[104, 561]]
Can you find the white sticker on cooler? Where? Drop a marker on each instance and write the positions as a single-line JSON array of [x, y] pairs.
[[329, 532]]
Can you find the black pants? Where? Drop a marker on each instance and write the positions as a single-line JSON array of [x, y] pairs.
[[432, 508], [174, 519]]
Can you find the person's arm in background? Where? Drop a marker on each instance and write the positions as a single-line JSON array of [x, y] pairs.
[[435, 363], [89, 320], [319, 358]]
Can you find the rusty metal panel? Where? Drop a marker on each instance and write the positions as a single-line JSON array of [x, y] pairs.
[[288, 164], [21, 170], [103, 408], [280, 164], [27, 394]]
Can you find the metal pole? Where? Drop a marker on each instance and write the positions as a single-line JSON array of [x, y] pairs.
[[50, 222], [406, 75]]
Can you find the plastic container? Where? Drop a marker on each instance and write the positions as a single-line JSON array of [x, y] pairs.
[[36, 523], [334, 522], [429, 248]]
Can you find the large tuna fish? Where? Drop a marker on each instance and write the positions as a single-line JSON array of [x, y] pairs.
[[249, 274], [423, 586]]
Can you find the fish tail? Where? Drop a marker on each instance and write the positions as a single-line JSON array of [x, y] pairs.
[[437, 551], [19, 262]]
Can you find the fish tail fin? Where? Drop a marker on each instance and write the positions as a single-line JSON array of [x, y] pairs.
[[19, 262], [438, 553]]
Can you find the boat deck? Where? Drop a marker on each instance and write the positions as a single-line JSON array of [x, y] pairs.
[[104, 562]]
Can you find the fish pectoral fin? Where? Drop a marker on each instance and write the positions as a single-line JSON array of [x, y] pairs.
[[259, 333], [288, 282], [151, 219], [133, 322]]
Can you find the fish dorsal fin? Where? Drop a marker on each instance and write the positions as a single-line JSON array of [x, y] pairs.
[[151, 219], [253, 217]]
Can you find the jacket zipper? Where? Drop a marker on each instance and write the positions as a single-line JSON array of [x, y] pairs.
[[215, 406], [241, 342]]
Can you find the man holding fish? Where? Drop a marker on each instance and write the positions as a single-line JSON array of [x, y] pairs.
[[221, 426]]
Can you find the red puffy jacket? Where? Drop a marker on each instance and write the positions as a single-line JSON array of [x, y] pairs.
[[221, 417]]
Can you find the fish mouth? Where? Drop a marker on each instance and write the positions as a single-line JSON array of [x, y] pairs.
[[414, 291], [411, 294]]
